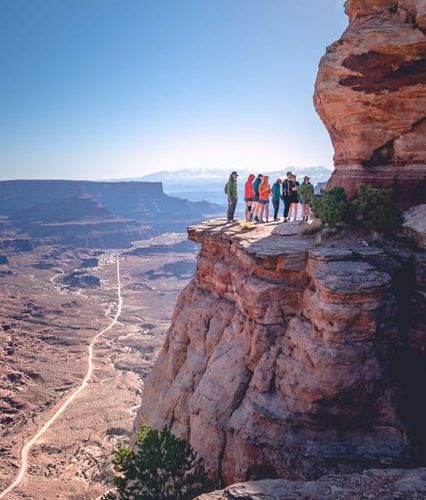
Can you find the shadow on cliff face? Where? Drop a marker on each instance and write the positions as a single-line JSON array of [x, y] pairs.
[[409, 362], [290, 358], [401, 353]]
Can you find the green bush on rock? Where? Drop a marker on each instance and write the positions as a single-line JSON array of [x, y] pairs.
[[332, 207], [160, 467], [374, 209]]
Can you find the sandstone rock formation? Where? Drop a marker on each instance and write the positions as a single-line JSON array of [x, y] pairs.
[[371, 95], [289, 360], [393, 483]]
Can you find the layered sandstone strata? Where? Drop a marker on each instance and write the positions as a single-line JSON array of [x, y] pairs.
[[280, 360], [371, 95]]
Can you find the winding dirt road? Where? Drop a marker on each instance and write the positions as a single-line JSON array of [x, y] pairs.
[[53, 278], [90, 365]]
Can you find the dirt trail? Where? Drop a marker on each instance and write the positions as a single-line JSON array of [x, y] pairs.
[[53, 278], [27, 447]]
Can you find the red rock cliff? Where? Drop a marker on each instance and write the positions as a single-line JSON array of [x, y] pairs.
[[280, 358], [371, 95]]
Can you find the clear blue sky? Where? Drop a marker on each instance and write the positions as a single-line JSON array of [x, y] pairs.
[[118, 88]]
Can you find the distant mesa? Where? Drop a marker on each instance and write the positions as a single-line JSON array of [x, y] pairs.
[[62, 211], [180, 247], [371, 95], [94, 214]]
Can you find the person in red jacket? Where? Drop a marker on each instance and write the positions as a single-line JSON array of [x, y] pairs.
[[264, 195], [249, 196]]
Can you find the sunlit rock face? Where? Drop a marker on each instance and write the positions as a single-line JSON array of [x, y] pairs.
[[371, 95], [288, 360], [410, 483]]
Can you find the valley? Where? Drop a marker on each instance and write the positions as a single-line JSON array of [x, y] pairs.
[[56, 299]]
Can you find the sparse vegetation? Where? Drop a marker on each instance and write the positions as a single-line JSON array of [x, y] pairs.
[[160, 467], [331, 207], [374, 209]]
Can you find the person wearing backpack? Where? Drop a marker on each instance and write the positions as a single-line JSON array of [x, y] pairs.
[[256, 204], [286, 194], [232, 195], [276, 197]]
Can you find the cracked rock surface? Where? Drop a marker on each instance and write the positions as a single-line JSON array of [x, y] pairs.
[[393, 483]]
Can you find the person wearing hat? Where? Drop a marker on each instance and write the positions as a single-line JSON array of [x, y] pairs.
[[286, 194], [294, 198], [306, 192], [232, 194]]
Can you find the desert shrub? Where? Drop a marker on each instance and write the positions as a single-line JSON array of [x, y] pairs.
[[374, 209], [160, 467], [331, 207]]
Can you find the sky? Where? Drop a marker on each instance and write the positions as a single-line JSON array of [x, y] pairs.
[[100, 89]]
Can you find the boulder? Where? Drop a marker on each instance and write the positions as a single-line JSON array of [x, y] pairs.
[[393, 483]]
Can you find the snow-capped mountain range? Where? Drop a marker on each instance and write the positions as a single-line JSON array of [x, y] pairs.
[[206, 184]]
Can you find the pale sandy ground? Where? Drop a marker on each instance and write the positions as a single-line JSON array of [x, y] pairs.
[[72, 459]]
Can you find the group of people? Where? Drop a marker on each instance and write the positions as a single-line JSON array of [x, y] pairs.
[[258, 193]]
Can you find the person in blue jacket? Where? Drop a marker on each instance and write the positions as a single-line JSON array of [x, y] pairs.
[[276, 197]]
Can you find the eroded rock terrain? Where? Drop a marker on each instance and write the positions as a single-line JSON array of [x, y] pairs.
[[371, 95], [288, 359], [93, 214], [392, 483], [46, 325]]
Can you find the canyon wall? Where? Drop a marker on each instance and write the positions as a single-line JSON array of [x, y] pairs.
[[371, 95], [93, 214], [141, 201], [285, 359]]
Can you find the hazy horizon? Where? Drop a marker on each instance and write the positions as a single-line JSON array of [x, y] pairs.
[[95, 90], [177, 170]]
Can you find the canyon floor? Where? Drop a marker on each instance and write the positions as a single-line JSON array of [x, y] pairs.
[[53, 303]]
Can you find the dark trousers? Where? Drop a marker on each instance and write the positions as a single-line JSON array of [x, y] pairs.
[[287, 203], [232, 205], [276, 205]]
